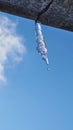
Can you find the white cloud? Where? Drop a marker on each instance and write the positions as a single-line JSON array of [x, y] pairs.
[[11, 45]]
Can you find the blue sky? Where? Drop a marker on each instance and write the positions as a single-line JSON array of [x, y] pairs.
[[32, 98]]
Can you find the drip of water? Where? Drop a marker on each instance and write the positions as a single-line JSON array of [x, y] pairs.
[[41, 46]]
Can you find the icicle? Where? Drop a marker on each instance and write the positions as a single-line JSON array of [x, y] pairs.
[[41, 46]]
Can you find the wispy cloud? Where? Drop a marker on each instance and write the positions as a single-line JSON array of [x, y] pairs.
[[11, 45]]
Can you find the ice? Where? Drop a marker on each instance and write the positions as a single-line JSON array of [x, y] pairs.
[[41, 45]]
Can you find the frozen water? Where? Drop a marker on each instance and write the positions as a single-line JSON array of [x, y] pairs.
[[41, 46]]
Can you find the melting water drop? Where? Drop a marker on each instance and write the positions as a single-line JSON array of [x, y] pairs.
[[41, 45]]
